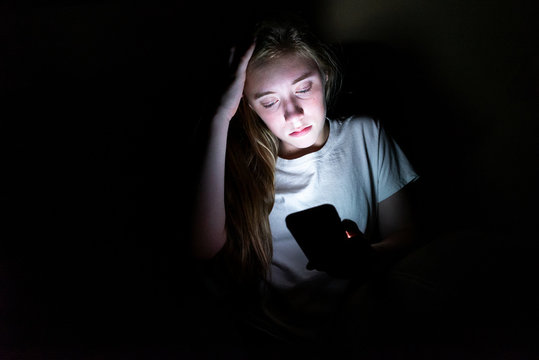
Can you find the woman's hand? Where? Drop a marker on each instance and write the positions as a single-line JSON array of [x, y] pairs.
[[353, 259], [231, 98]]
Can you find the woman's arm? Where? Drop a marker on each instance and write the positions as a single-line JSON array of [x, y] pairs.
[[208, 232], [397, 229]]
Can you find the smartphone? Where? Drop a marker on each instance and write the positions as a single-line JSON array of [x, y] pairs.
[[318, 231]]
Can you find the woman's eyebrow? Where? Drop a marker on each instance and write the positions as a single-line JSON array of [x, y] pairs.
[[259, 95], [302, 77]]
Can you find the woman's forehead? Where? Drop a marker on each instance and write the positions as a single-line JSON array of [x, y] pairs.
[[285, 67]]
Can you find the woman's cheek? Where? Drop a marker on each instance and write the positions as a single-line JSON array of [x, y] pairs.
[[271, 122]]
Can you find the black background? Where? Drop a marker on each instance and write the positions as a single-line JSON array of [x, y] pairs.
[[100, 103]]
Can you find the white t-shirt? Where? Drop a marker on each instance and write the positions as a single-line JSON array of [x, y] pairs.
[[358, 167]]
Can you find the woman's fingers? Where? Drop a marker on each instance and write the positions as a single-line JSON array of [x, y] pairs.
[[242, 67], [350, 228], [232, 97], [237, 64], [231, 56]]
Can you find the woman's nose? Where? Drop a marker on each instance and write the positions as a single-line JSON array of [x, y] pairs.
[[292, 111]]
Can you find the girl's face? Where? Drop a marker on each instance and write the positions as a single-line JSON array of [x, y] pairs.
[[288, 95]]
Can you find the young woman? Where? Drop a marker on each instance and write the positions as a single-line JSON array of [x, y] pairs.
[[272, 151]]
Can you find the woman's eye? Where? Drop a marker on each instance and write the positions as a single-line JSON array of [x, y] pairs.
[[269, 104], [304, 90]]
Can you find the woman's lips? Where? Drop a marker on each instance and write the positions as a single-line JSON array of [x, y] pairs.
[[302, 132]]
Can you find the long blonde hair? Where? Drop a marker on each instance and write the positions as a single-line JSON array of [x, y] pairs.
[[252, 152]]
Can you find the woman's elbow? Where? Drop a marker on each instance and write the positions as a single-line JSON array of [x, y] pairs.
[[203, 249]]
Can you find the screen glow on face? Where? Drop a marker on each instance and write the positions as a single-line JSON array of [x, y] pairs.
[[288, 95]]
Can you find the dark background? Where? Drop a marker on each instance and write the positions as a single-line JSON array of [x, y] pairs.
[[100, 103]]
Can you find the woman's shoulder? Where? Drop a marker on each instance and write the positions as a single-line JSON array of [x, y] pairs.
[[357, 123]]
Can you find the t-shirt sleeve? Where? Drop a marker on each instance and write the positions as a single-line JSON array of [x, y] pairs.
[[394, 169]]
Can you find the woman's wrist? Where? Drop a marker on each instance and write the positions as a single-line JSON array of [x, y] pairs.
[[222, 114]]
